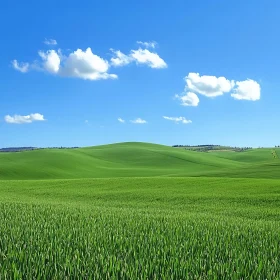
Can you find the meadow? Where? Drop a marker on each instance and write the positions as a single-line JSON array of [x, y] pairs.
[[139, 211]]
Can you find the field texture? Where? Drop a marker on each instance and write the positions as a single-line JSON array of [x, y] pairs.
[[139, 211], [137, 160]]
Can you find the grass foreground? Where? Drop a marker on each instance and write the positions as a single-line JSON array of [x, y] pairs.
[[158, 226]]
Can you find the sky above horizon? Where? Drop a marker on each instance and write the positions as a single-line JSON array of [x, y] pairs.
[[180, 72]]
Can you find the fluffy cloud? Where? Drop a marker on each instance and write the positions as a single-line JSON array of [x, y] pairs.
[[247, 90], [178, 119], [139, 56], [147, 44], [212, 86], [50, 42], [51, 61], [121, 120], [18, 119], [153, 60], [138, 121], [188, 99], [209, 86], [120, 59], [86, 65], [78, 64], [21, 67]]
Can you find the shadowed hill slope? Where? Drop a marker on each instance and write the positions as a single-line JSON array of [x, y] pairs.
[[135, 160]]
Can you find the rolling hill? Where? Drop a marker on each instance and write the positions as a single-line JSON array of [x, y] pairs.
[[136, 160], [87, 212]]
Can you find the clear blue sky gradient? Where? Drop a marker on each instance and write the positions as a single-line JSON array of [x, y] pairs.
[[235, 39]]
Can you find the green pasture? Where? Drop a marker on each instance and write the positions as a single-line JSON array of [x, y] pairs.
[[139, 211]]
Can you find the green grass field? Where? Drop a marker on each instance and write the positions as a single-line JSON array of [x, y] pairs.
[[139, 211], [136, 160]]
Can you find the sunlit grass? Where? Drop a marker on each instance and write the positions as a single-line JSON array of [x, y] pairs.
[[140, 228]]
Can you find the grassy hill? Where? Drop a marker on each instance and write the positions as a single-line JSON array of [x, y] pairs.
[[136, 160], [87, 214]]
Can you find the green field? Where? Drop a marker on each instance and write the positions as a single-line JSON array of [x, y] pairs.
[[136, 160], [139, 211]]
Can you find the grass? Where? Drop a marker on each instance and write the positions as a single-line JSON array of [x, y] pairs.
[[65, 244], [135, 160], [142, 216]]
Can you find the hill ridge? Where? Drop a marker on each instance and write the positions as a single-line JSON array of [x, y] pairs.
[[134, 159]]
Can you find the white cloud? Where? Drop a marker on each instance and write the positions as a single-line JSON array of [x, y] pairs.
[[51, 61], [178, 119], [86, 65], [121, 120], [21, 67], [140, 56], [247, 90], [210, 86], [79, 64], [138, 121], [18, 119], [50, 42], [151, 59], [188, 99], [147, 44], [120, 58]]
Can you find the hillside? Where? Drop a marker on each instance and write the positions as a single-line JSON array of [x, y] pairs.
[[136, 160]]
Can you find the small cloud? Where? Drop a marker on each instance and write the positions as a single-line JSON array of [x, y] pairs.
[[247, 90], [138, 121], [147, 44], [151, 59], [188, 99], [22, 67], [18, 119], [121, 120], [50, 42], [139, 56], [210, 86], [86, 121], [51, 61], [178, 119], [120, 59]]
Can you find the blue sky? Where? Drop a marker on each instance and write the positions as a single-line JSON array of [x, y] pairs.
[[206, 72]]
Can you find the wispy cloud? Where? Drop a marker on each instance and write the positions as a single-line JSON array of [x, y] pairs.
[[120, 59], [178, 119], [151, 44], [50, 42], [22, 67], [138, 121], [121, 120], [188, 99], [139, 56], [18, 119]]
